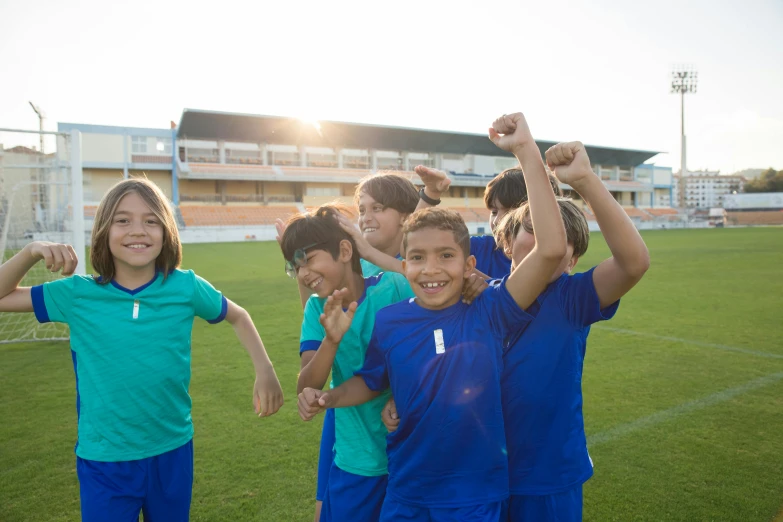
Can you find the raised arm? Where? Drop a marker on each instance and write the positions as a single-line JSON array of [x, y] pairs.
[[511, 133], [366, 251], [614, 277], [267, 393], [436, 182], [336, 322], [56, 256]]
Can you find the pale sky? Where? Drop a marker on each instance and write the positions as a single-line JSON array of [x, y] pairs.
[[592, 71]]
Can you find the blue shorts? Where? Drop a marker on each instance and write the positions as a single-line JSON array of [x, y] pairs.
[[353, 497], [160, 487], [325, 455], [395, 511], [560, 507]]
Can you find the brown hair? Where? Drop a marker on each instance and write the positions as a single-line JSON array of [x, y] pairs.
[[319, 226], [441, 219], [101, 258], [577, 231], [508, 188], [390, 190]]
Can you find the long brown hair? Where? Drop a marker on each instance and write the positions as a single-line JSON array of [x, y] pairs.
[[170, 256]]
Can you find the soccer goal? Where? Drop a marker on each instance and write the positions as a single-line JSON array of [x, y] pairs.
[[41, 199]]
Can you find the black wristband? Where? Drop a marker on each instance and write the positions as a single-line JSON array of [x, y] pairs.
[[428, 200]]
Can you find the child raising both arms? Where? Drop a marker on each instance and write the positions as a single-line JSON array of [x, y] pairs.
[[130, 343]]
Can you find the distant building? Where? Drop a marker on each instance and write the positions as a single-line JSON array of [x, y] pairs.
[[704, 189]]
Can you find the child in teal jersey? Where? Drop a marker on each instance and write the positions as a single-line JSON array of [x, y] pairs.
[[130, 341], [323, 258]]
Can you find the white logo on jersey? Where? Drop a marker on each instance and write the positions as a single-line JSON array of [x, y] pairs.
[[440, 347]]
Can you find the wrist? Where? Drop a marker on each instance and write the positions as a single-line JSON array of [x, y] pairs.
[[429, 196], [525, 149], [586, 183]]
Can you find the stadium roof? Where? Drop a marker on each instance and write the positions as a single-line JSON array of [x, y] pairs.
[[249, 128]]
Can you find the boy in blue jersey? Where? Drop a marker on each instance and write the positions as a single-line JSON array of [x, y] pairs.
[[503, 193], [541, 383], [324, 259], [442, 357]]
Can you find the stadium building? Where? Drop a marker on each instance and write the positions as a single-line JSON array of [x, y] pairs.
[[241, 170]]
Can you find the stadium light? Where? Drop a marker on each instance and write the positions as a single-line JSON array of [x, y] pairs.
[[684, 80]]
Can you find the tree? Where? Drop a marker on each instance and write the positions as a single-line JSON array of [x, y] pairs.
[[769, 181]]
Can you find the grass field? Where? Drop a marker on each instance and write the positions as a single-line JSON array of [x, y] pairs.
[[683, 394]]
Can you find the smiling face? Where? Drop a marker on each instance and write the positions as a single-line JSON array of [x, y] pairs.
[[436, 267], [322, 273], [135, 236], [381, 226]]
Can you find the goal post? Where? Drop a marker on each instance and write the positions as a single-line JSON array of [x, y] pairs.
[[41, 199]]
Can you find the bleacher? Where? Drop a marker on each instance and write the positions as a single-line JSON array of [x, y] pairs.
[[662, 212], [637, 213], [756, 217], [227, 215]]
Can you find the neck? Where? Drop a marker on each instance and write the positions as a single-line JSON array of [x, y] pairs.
[[394, 247], [355, 285], [133, 278]]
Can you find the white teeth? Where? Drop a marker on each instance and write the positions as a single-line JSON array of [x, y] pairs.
[[433, 285], [370, 229], [316, 282], [137, 246]]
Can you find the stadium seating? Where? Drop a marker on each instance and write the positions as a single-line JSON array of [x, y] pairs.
[[637, 213], [220, 215], [756, 217], [662, 212]]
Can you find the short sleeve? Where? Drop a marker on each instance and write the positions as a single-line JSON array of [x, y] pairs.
[[401, 285], [52, 300], [580, 303], [374, 371], [312, 332], [498, 309], [209, 304]]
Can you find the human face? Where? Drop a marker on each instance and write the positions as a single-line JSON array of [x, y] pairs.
[[135, 237], [323, 274], [496, 213], [435, 267], [381, 226], [523, 245]]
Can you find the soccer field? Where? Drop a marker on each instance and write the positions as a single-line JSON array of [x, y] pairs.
[[683, 394]]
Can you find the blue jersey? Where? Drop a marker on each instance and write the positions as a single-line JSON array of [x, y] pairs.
[[542, 388], [489, 259], [443, 367]]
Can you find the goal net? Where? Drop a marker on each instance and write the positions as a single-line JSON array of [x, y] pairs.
[[38, 203]]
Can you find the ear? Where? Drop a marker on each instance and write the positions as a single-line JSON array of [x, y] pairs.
[[571, 264], [404, 266], [470, 265], [346, 251]]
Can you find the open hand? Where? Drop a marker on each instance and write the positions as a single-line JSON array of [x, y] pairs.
[[335, 319]]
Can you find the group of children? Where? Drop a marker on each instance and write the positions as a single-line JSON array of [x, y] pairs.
[[473, 360], [455, 361]]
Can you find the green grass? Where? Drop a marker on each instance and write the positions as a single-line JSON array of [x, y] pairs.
[[708, 456]]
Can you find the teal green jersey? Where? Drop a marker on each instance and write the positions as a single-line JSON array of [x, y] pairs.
[[360, 436], [131, 354], [369, 269]]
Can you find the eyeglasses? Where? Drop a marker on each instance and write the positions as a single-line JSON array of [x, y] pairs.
[[299, 260]]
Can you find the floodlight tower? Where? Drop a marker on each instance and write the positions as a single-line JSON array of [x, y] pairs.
[[684, 80], [41, 117]]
